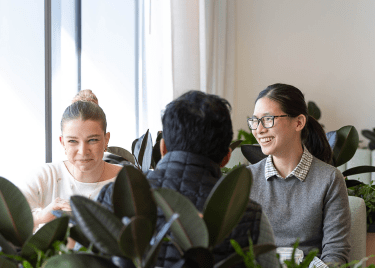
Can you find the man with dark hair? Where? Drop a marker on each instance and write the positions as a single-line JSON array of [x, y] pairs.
[[197, 132]]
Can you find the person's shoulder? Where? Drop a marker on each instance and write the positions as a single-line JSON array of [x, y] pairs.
[[321, 166], [259, 166], [50, 169]]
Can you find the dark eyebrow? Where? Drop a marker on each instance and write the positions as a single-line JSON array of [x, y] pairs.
[[93, 136], [265, 114]]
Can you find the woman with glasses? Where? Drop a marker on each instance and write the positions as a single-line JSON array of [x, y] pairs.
[[304, 196]]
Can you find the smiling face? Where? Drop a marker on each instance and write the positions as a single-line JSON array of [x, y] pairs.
[[285, 134], [84, 143]]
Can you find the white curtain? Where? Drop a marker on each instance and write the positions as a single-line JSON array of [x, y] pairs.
[[203, 46], [156, 89]]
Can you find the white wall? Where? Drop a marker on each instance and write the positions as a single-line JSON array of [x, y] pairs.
[[325, 48]]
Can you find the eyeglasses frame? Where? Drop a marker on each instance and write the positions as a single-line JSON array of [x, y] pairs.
[[260, 120]]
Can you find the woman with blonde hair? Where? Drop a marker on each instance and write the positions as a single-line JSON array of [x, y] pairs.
[[85, 139]]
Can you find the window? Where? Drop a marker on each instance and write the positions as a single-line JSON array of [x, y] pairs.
[[105, 46]]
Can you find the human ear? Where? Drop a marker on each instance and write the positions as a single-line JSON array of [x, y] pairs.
[[226, 158], [61, 141], [301, 122], [163, 148]]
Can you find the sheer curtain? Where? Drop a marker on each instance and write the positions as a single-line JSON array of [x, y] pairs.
[[203, 46], [156, 88]]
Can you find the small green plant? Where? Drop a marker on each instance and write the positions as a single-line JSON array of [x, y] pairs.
[[246, 136], [370, 134], [226, 170], [367, 192]]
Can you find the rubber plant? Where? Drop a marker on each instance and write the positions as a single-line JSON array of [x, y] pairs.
[[19, 246], [128, 237], [144, 155], [197, 234]]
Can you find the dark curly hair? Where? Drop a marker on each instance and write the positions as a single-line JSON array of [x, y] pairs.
[[292, 102], [199, 123]]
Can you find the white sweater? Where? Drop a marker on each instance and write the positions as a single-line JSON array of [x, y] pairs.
[[53, 180]]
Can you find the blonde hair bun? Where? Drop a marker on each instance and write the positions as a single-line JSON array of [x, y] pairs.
[[86, 95]]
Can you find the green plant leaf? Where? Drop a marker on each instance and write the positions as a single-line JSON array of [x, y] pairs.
[[144, 154], [44, 238], [77, 235], [346, 145], [98, 224], [151, 256], [358, 170], [189, 230], [121, 152], [78, 261], [156, 155], [7, 263], [313, 110], [369, 134], [226, 203], [159, 136], [230, 261], [6, 247], [16, 219], [132, 195], [197, 257], [135, 238], [247, 137], [264, 248], [133, 146], [235, 144]]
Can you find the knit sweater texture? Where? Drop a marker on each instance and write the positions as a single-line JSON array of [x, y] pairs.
[[316, 210]]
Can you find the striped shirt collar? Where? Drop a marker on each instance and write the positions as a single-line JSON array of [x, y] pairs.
[[300, 172]]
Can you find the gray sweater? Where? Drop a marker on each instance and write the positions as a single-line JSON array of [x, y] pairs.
[[315, 210]]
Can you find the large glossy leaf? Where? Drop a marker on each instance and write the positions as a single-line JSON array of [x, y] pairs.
[[346, 145], [358, 170], [151, 256], [156, 155], [135, 238], [143, 151], [98, 224], [252, 152], [77, 235], [235, 144], [6, 247], [159, 136], [121, 152], [226, 204], [313, 110], [369, 134], [189, 230], [7, 263], [15, 214], [196, 258], [133, 146], [78, 261], [132, 195], [44, 238]]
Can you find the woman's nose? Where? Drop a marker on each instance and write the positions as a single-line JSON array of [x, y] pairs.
[[83, 148]]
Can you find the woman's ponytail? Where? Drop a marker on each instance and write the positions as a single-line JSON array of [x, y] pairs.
[[315, 140]]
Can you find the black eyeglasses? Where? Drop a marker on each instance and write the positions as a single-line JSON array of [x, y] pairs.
[[267, 121]]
